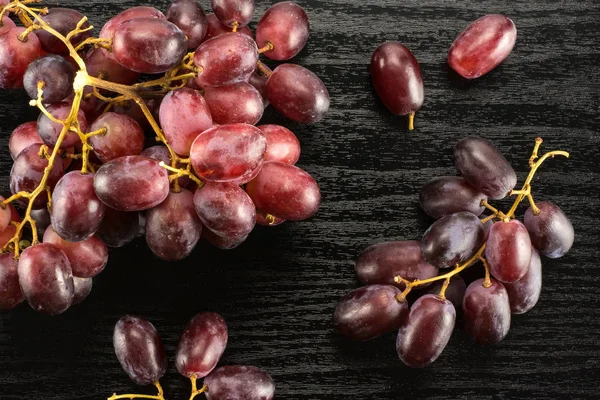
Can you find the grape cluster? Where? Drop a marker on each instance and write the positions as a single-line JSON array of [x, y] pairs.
[[89, 172], [140, 351], [508, 249]]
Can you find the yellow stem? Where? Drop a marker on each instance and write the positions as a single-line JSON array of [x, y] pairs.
[[411, 121], [158, 396], [267, 47], [195, 390]]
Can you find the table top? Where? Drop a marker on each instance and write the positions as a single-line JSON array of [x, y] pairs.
[[278, 290]]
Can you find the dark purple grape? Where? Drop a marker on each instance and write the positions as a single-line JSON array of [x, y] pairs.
[[190, 18], [172, 227], [50, 131], [123, 137], [87, 257], [508, 250], [82, 288], [16, 57], [7, 24], [426, 331], [238, 382], [285, 191], [148, 45], [139, 350], [455, 292], [452, 239], [486, 312], [46, 278], [98, 63], [525, 293], [482, 46], [381, 262], [215, 28], [263, 219], [131, 183], [223, 243], [450, 194], [202, 344], [76, 211], [55, 72], [370, 311], [234, 103], [297, 93], [22, 137], [119, 227], [484, 168], [282, 144], [10, 291], [231, 12], [62, 20], [285, 26], [550, 231]]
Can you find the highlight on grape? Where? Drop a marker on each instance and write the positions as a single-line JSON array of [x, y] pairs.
[[176, 156]]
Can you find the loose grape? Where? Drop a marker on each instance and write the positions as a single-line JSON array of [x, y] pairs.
[[285, 26], [486, 312], [450, 194], [508, 250], [550, 231]]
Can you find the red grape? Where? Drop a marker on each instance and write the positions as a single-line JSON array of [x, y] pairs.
[[285, 26], [23, 136], [525, 293], [550, 231], [15, 57], [7, 235], [132, 109], [455, 292], [450, 194], [81, 289], [233, 11], [161, 153], [215, 28], [486, 312], [220, 242], [282, 144], [234, 103], [55, 72], [63, 20], [262, 219], [240, 382], [123, 137], [5, 215], [6, 24], [97, 62], [508, 250], [190, 18], [50, 131], [42, 220], [259, 81], [10, 291], [119, 227]]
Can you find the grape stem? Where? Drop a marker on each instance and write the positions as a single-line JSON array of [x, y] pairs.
[[267, 47], [195, 390], [411, 121], [159, 396], [266, 71]]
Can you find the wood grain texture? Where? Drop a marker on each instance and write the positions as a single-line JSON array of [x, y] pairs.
[[277, 292]]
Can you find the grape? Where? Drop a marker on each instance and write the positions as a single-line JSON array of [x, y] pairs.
[[486, 312], [97, 62], [452, 239], [525, 293], [381, 262], [139, 350], [190, 18], [550, 231], [455, 292], [15, 57], [46, 278], [285, 26], [370, 311], [50, 131], [82, 288], [6, 25], [425, 332], [397, 78], [42, 220], [259, 81], [261, 219], [131, 183], [7, 234], [202, 344], [184, 114], [484, 168], [237, 382], [450, 194], [148, 45], [232, 152], [76, 211], [220, 242], [123, 137], [227, 58], [5, 215], [285, 191], [486, 228], [482, 46], [55, 72], [233, 11], [225, 209], [214, 27], [508, 250], [23, 136], [130, 108], [297, 93], [119, 227], [161, 153], [172, 227], [62, 20], [234, 103], [282, 144], [27, 172], [87, 257], [10, 291]]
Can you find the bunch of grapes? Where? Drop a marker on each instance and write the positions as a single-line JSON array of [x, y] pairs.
[[142, 355], [87, 175], [508, 249]]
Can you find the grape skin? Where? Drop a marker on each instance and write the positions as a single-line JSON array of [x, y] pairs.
[[486, 312], [190, 18], [123, 137], [455, 292], [63, 20], [233, 11], [6, 25], [550, 231], [221, 242], [82, 288], [508, 250], [259, 81], [49, 131], [214, 27], [239, 382], [234, 103], [10, 291], [23, 136], [524, 293], [5, 215], [284, 25], [282, 144], [55, 72], [97, 62], [15, 57], [450, 194], [119, 227]]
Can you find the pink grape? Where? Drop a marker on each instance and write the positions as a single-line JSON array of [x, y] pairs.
[[15, 57], [98, 62], [81, 289], [10, 291], [7, 235], [23, 136], [508, 250], [285, 26], [233, 11], [282, 144], [5, 215], [49, 131], [525, 293], [190, 18], [63, 20], [486, 312], [6, 24], [123, 137], [234, 103], [215, 28]]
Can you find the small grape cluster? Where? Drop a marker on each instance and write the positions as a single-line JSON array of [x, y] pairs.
[[84, 171], [140, 351]]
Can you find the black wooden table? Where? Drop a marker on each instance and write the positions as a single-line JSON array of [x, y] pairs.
[[278, 291]]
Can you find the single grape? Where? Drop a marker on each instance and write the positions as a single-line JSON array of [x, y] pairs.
[[285, 191], [27, 172], [486, 312], [131, 183], [5, 215], [231, 12], [455, 292], [297, 93], [282, 144], [285, 26], [237, 102], [381, 262], [148, 45], [119, 227], [184, 114], [173, 228], [223, 243], [139, 350], [525, 293], [76, 211], [62, 20], [201, 345], [484, 168], [190, 18], [22, 137], [265, 219], [508, 250], [550, 231], [6, 24], [425, 332], [123, 137], [98, 64], [239, 382], [46, 278], [42, 220], [7, 235], [81, 288], [452, 239], [10, 291], [161, 153], [15, 57], [370, 311], [55, 73], [259, 81], [482, 46], [232, 152], [227, 58], [214, 27], [49, 131], [450, 194]]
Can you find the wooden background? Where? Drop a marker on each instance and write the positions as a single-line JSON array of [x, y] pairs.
[[278, 291]]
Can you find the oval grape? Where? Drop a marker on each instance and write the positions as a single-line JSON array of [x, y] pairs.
[[50, 131], [190, 18], [119, 227], [525, 293], [99, 64], [450, 194], [234, 103], [486, 312], [22, 137], [508, 250], [285, 26], [123, 137], [16, 57], [232, 12], [282, 144], [239, 382], [62, 20], [550, 231], [87, 257]]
